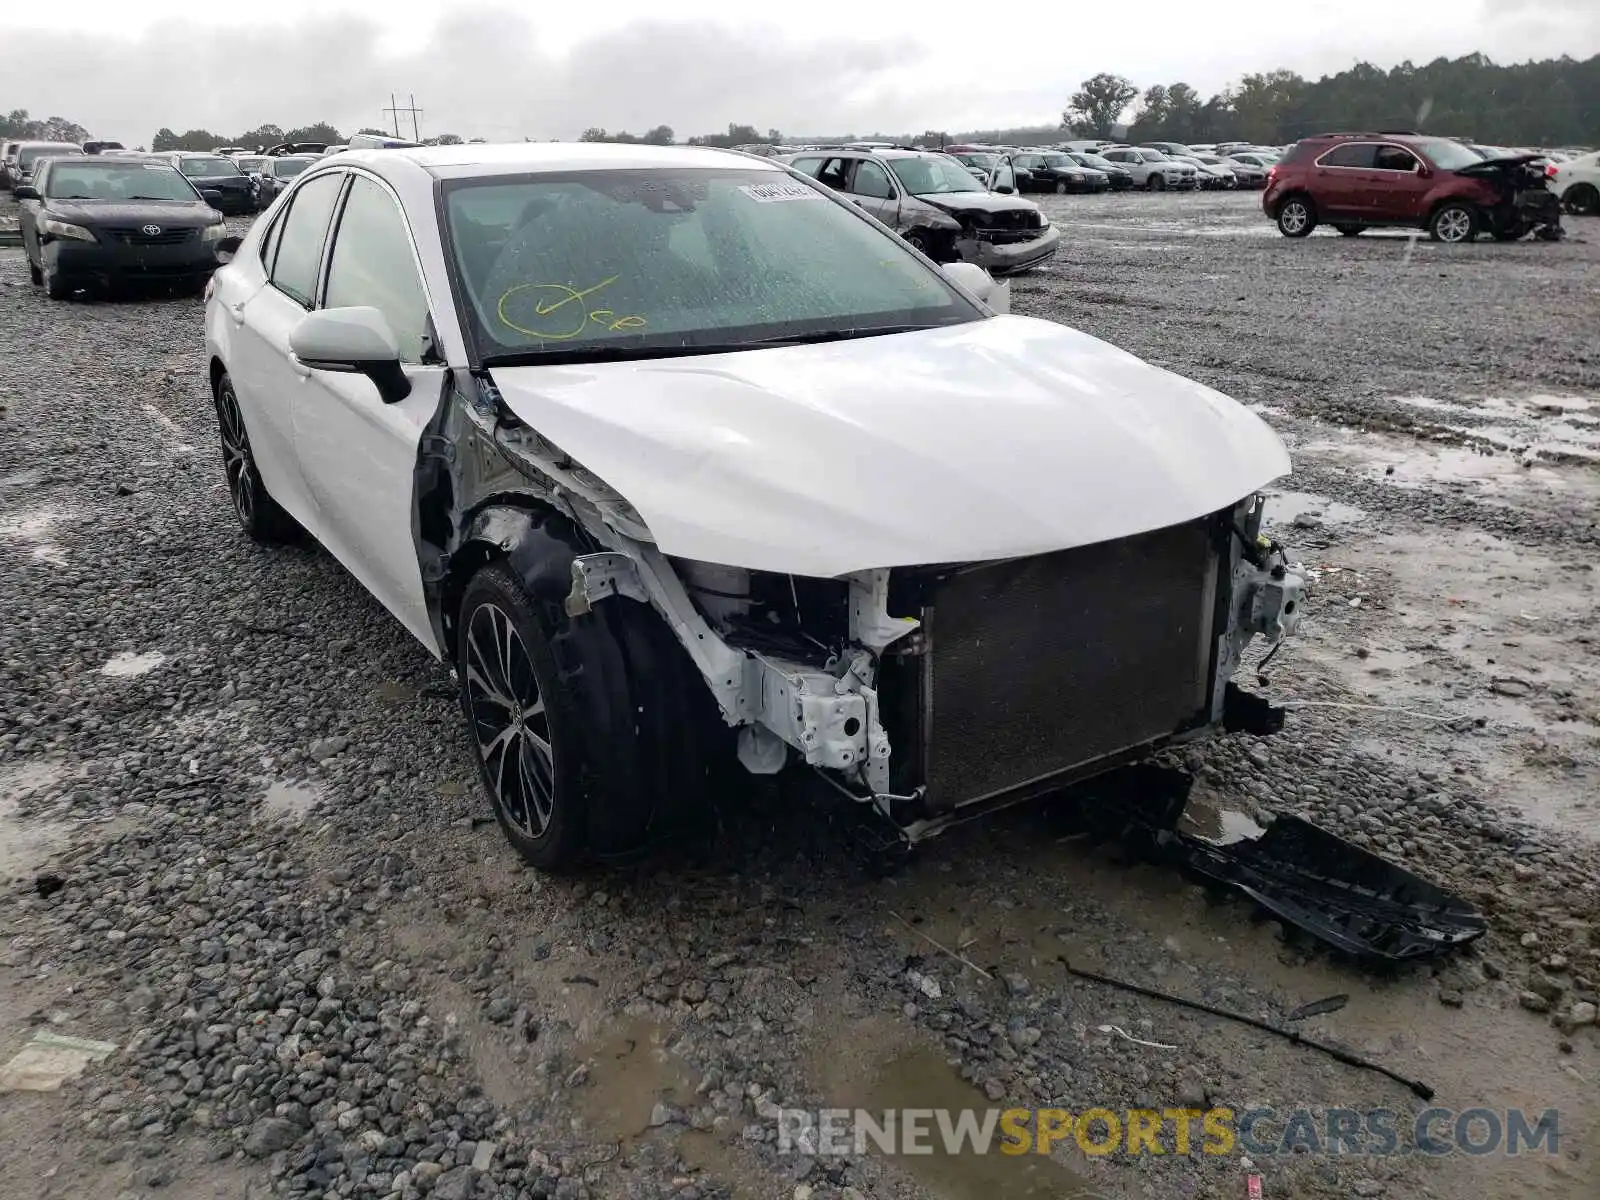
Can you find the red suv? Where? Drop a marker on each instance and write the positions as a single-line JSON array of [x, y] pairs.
[[1354, 181]]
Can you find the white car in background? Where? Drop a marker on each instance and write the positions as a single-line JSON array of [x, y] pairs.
[[1153, 169], [1576, 182], [674, 454]]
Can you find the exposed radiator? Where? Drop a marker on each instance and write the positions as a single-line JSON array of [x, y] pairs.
[[1038, 665]]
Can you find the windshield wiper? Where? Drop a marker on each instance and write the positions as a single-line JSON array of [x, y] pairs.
[[604, 353]]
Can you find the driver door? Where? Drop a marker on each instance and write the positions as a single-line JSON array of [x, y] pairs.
[[359, 454], [1003, 176], [873, 191]]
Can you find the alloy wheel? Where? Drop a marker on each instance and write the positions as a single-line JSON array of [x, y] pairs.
[[1294, 217], [236, 461], [509, 721], [1454, 225]]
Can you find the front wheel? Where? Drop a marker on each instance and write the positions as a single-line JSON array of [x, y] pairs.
[[55, 287], [1454, 223], [1061, 187], [1583, 198], [1156, 183], [1350, 230], [1296, 217], [918, 239], [260, 516]]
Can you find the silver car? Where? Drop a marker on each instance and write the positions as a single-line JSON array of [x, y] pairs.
[[1153, 169]]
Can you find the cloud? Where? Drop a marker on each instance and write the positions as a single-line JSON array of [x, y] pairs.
[[482, 73]]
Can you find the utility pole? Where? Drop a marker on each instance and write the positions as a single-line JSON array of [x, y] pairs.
[[394, 110]]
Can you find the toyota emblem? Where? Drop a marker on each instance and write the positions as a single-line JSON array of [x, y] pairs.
[[150, 230]]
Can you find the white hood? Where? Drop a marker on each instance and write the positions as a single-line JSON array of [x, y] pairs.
[[1002, 437]]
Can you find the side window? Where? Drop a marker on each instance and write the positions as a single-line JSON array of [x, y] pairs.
[[1394, 158], [373, 264], [1032, 161], [807, 166], [300, 236], [834, 173], [269, 242], [871, 180], [1351, 154]]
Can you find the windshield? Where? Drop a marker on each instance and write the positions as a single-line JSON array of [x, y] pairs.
[[627, 263], [288, 168], [196, 167], [117, 181], [1445, 154], [932, 175], [28, 155], [251, 164], [1095, 161], [986, 161], [1059, 162], [1151, 155]]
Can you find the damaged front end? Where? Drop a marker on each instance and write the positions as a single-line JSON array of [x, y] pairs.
[[935, 693]]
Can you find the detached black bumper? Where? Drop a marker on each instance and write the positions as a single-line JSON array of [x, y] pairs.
[[109, 263]]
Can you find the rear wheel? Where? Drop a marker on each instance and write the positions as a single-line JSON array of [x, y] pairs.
[[1061, 187], [1350, 230], [259, 514], [1156, 183], [1453, 223], [1296, 217], [1582, 198]]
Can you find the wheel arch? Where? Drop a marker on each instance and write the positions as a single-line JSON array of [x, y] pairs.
[[216, 370]]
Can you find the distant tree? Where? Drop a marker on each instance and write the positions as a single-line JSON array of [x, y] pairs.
[[262, 136], [320, 132], [17, 124], [934, 139], [661, 135], [1098, 104], [372, 129], [594, 134], [446, 139], [164, 139]]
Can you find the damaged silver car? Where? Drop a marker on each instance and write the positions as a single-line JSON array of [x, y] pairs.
[[687, 466]]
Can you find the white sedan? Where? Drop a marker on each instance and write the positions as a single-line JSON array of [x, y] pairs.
[[1577, 182], [683, 463]]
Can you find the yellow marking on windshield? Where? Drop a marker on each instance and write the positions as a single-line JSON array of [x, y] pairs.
[[573, 322]]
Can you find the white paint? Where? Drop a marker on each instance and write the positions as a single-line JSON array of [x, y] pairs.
[[998, 438], [25, 843], [171, 426], [34, 528], [127, 664]]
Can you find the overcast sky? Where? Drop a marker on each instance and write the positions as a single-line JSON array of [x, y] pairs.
[[549, 70]]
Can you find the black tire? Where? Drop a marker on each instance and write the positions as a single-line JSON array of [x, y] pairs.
[[55, 287], [604, 742], [1156, 183], [1297, 216], [1351, 230], [1582, 198], [1454, 223], [260, 516], [918, 239], [1061, 187]]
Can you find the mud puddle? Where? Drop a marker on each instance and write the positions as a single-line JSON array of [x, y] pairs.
[[1307, 508], [289, 802], [1543, 425], [872, 1067], [1479, 628], [638, 1088], [25, 843]]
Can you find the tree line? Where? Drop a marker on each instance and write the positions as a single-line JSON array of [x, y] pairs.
[[1555, 102], [1551, 103]]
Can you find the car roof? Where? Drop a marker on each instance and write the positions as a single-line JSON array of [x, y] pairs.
[[532, 158], [36, 145]]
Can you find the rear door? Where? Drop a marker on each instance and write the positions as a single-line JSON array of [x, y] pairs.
[[358, 453], [1342, 181], [264, 377]]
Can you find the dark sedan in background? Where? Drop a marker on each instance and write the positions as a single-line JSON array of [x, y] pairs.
[[104, 220], [1051, 171], [238, 193], [1120, 179]]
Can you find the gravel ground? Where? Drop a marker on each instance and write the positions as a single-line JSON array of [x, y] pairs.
[[240, 835]]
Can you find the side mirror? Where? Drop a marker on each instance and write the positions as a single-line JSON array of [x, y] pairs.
[[1004, 190], [211, 196], [972, 278], [24, 192], [356, 341]]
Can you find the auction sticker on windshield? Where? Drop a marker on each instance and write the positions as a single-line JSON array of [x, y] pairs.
[[769, 193]]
